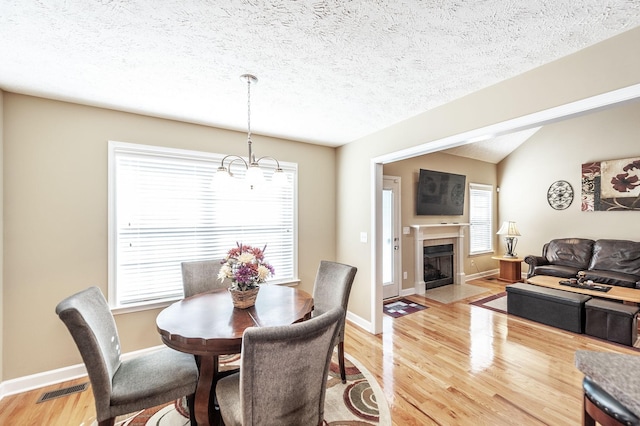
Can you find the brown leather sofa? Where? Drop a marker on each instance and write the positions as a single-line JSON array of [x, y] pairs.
[[612, 262]]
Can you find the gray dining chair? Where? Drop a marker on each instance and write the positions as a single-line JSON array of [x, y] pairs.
[[283, 374], [331, 289], [201, 276], [122, 386]]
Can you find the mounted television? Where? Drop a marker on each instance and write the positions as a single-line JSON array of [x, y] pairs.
[[440, 194]]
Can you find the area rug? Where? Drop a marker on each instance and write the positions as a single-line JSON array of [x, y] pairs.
[[498, 303], [358, 402], [401, 307]]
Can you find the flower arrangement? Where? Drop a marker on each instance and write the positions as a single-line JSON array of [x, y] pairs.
[[246, 267]]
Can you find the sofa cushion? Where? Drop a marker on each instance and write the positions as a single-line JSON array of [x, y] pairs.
[[572, 252], [616, 255], [556, 271], [612, 278]]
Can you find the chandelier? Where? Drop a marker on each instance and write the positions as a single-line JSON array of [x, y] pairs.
[[254, 173]]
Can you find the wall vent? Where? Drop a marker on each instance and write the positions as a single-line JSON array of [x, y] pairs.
[[62, 392]]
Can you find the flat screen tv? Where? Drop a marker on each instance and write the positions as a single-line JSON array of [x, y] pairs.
[[440, 194]]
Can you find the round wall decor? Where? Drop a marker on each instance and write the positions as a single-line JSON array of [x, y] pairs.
[[560, 195]]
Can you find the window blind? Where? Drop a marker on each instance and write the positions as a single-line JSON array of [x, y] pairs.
[[480, 218], [164, 211]]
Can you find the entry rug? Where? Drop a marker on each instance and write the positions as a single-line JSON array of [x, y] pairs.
[[402, 307], [358, 402]]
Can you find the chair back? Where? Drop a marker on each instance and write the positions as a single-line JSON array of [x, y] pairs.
[[90, 322], [201, 276], [332, 288], [283, 373]]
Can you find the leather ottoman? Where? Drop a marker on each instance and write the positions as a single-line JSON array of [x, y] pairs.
[[612, 321], [557, 308]]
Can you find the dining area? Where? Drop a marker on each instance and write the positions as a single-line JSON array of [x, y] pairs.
[[283, 338]]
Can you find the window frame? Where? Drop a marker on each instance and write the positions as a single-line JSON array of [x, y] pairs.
[[489, 190], [115, 147]]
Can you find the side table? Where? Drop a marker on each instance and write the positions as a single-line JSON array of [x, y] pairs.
[[510, 268]]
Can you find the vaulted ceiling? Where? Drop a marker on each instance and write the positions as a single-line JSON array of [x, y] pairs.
[[329, 72]]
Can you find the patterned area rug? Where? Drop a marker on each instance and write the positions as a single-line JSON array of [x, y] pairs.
[[358, 402], [402, 307]]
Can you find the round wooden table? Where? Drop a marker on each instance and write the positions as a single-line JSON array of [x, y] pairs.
[[208, 325]]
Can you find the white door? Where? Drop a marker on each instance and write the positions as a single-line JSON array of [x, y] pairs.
[[391, 250]]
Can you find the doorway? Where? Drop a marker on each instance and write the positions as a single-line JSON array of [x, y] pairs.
[[391, 249]]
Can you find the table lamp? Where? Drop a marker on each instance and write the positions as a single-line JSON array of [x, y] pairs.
[[510, 232]]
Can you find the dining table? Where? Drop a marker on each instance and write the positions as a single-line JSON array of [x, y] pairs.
[[207, 325]]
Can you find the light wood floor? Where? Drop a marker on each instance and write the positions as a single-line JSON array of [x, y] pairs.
[[451, 364]]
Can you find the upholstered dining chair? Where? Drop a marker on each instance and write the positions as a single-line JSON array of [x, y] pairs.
[[283, 374], [201, 276], [122, 386], [331, 289]]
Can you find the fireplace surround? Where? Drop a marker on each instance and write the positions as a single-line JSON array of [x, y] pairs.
[[433, 235]]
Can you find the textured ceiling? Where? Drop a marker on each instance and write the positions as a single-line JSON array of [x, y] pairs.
[[330, 71]]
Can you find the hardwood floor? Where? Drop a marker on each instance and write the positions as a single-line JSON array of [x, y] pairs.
[[451, 364]]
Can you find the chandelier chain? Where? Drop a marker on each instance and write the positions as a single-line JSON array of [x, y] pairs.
[[249, 108]]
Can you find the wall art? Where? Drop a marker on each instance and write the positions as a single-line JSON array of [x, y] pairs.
[[560, 195], [611, 185]]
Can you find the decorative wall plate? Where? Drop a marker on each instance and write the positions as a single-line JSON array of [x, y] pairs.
[[560, 195]]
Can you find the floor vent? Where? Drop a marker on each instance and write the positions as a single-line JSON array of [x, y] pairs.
[[62, 392]]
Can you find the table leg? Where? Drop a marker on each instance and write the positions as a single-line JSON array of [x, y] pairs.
[[204, 390]]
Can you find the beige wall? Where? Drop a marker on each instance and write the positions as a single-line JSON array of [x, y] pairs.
[[557, 152], [55, 210], [475, 172], [610, 65]]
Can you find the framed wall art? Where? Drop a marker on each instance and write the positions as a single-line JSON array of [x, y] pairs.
[[611, 185]]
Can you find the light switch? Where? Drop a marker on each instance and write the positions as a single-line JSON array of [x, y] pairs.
[[363, 237], [406, 230]]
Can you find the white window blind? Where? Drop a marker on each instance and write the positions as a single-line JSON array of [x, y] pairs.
[[480, 218], [164, 210]]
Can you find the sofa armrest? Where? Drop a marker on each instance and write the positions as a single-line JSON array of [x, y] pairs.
[[534, 261]]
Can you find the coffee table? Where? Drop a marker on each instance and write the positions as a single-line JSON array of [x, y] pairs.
[[625, 294]]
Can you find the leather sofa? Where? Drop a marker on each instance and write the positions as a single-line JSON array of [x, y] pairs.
[[612, 262]]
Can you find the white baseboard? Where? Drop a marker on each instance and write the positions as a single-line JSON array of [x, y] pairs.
[[482, 274], [359, 321], [47, 378]]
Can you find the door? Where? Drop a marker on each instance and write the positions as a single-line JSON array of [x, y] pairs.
[[391, 250]]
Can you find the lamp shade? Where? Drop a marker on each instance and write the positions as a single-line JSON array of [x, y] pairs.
[[508, 229]]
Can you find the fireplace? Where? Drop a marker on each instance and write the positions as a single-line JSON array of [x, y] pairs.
[[451, 270], [438, 265]]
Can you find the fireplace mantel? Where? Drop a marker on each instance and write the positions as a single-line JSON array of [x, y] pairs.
[[439, 231]]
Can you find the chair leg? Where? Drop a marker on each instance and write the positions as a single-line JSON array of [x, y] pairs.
[[191, 402], [343, 373], [587, 420], [108, 422]]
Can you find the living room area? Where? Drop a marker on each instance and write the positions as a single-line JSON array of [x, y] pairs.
[[521, 182]]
